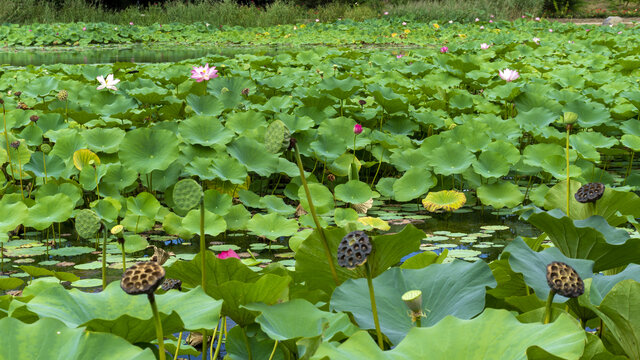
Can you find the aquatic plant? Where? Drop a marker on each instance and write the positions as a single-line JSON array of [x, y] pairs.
[[564, 280]]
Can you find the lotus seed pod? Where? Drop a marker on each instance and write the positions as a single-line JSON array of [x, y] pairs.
[[171, 284], [187, 193], [15, 144], [277, 136], [1, 101], [413, 299], [34, 118], [117, 229], [142, 278], [354, 249], [589, 193], [45, 148], [569, 118], [159, 255], [564, 280], [87, 223], [63, 95]]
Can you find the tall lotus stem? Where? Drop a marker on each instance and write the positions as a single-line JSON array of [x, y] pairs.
[[246, 341], [44, 162], [104, 260], [549, 307], [568, 178], [6, 137], [273, 352], [374, 309], [95, 170], [156, 318], [203, 247], [175, 357], [218, 345], [312, 210], [204, 343], [629, 167]]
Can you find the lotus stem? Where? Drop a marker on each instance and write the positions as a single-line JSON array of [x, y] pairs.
[[568, 178], [104, 260], [156, 318], [95, 170], [374, 308], [1, 257], [203, 244], [629, 167], [204, 343], [312, 210], [124, 261], [175, 357], [273, 352], [218, 345], [20, 171], [549, 307], [246, 341], [378, 169], [6, 139], [213, 337], [44, 162]]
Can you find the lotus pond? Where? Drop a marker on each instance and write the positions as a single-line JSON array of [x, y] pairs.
[[327, 202]]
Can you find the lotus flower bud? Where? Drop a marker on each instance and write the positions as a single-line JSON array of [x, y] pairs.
[[17, 93], [1, 101], [362, 102], [15, 144], [245, 91], [331, 177], [34, 118], [45, 148], [357, 129], [63, 95], [569, 118]]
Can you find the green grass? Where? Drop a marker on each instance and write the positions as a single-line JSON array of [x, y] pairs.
[[228, 13]]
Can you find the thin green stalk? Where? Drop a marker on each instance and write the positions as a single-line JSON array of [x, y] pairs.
[[568, 178], [419, 321], [175, 357], [203, 244], [246, 341], [20, 171], [218, 345], [1, 257], [124, 261], [273, 352], [44, 162], [549, 307], [213, 337], [312, 210], [204, 344], [159, 333], [629, 167], [95, 170], [104, 260], [374, 308], [378, 169]]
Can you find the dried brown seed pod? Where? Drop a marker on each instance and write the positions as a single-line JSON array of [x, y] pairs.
[[564, 280], [171, 284], [142, 278], [590, 192], [354, 249], [34, 118]]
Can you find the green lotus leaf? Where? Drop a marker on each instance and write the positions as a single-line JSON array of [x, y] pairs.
[[388, 99], [447, 200], [272, 226], [143, 204], [137, 223], [49, 210], [11, 214], [88, 176], [204, 130], [495, 334], [237, 217], [217, 202], [233, 282], [385, 187], [107, 209], [253, 155], [229, 169], [40, 86], [321, 197], [535, 119], [73, 343], [631, 141], [465, 285], [7, 283], [311, 259], [116, 312], [450, 158], [260, 345], [172, 224], [71, 251], [556, 165], [500, 194], [148, 149], [413, 184], [590, 114], [631, 126], [106, 103], [250, 199], [534, 155], [32, 135], [67, 145], [533, 266], [326, 147], [246, 122], [55, 167], [72, 190], [591, 238], [340, 88], [276, 205], [491, 164], [119, 176], [343, 216], [298, 318], [213, 224], [106, 140], [353, 192]]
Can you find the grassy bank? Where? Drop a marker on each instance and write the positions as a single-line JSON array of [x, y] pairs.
[[280, 12]]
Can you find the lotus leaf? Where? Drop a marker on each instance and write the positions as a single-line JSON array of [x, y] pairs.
[[11, 215], [321, 197], [55, 167], [49, 210], [500, 194], [276, 205], [413, 184], [450, 158], [148, 149], [447, 200], [204, 130], [353, 192], [213, 224], [272, 226], [84, 157], [491, 164], [253, 155]]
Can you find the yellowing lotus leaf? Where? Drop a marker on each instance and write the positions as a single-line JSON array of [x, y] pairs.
[[84, 157], [374, 222], [447, 200]]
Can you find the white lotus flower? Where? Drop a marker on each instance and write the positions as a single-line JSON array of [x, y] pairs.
[[109, 83], [508, 75]]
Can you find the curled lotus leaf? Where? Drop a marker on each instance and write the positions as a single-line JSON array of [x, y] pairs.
[[85, 157], [447, 200]]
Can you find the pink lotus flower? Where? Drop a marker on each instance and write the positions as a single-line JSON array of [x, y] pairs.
[[536, 40], [404, 23], [550, 30], [386, 13], [357, 129], [84, 28], [484, 46], [537, 19], [201, 73], [482, 27], [228, 254], [130, 22], [490, 21], [477, 19], [444, 49], [492, 16], [317, 20], [524, 16], [399, 56], [109, 82], [508, 75]]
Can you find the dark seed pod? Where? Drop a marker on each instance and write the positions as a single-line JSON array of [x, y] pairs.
[[15, 144], [171, 284], [564, 280], [34, 118], [142, 278], [354, 249], [590, 192], [17, 93]]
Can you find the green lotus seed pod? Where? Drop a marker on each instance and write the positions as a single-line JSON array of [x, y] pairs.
[[63, 95], [87, 223], [569, 117], [186, 194], [277, 136], [45, 148], [413, 299]]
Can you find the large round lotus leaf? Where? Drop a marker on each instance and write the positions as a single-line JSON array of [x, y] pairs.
[[40, 86], [237, 217], [414, 183], [143, 204], [229, 169], [49, 210], [148, 149], [11, 215], [457, 289], [217, 202], [119, 176], [204, 130], [7, 283], [491, 164], [107, 209], [534, 155], [187, 193], [213, 224], [272, 226], [245, 122], [320, 196], [631, 141], [87, 223], [107, 103], [253, 155], [299, 318], [70, 344], [501, 194], [450, 158], [277, 136], [535, 119], [506, 149], [447, 200], [494, 335], [206, 105], [342, 89], [116, 312], [72, 190], [533, 266], [106, 140], [389, 100], [276, 205], [55, 167], [85, 157], [353, 192]]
